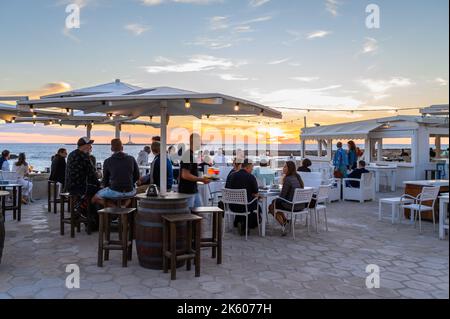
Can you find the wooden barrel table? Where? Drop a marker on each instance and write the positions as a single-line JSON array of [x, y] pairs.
[[414, 188], [149, 226]]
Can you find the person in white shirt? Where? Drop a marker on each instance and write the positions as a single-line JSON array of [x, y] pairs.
[[4, 161], [22, 170], [220, 158], [142, 158]]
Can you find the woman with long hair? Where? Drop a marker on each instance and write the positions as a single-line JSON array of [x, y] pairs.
[[58, 169], [22, 170], [352, 154], [291, 181]]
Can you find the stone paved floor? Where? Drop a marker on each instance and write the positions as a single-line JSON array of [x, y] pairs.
[[325, 265]]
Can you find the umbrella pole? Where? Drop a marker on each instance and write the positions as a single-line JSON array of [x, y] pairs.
[[163, 156], [118, 129], [88, 131]]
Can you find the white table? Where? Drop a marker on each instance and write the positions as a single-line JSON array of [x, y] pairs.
[[265, 196], [395, 206], [443, 208], [390, 171]]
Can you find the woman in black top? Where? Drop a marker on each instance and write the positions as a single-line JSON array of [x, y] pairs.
[[58, 170]]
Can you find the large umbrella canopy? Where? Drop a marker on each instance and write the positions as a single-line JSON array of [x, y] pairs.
[[159, 101], [117, 87], [9, 112], [147, 102]]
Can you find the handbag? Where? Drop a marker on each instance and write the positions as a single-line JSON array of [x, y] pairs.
[[338, 174]]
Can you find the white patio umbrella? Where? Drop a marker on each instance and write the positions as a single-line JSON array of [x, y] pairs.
[[159, 101]]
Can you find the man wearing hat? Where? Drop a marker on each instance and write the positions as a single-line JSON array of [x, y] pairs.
[[81, 177]]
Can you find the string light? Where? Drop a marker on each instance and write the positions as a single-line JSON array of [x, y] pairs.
[[51, 122], [68, 112], [187, 104], [13, 120], [111, 116], [34, 115], [237, 107], [34, 123]]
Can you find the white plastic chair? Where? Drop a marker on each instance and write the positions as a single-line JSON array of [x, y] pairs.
[[313, 179], [366, 190], [301, 196], [321, 200], [428, 194], [239, 197]]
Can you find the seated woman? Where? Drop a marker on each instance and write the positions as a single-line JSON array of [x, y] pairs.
[[22, 169], [306, 164], [291, 181]]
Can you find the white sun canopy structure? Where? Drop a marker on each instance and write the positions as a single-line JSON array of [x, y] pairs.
[[417, 134], [159, 101]]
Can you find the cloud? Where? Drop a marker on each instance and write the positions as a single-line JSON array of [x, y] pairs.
[[319, 97], [370, 46], [68, 33], [317, 34], [306, 79], [441, 81], [137, 29], [332, 7], [258, 3], [281, 61], [218, 43], [381, 87], [79, 3], [158, 2], [232, 77], [47, 89], [196, 63], [219, 23]]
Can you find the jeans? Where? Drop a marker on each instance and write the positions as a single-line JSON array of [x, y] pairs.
[[111, 194], [195, 201]]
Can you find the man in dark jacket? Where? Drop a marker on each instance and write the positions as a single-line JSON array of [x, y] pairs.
[[243, 179], [58, 169], [80, 173], [357, 174], [120, 174]]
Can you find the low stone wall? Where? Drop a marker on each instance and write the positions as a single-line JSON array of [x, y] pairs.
[[40, 186]]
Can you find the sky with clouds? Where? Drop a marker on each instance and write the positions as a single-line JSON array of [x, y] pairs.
[[282, 53]]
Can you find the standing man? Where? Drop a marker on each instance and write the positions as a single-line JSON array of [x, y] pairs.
[[120, 174], [189, 173], [340, 162]]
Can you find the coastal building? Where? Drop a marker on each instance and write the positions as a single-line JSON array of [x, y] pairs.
[[421, 133]]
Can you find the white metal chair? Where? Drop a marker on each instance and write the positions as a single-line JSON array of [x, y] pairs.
[[418, 207], [301, 197], [239, 197], [321, 200], [366, 190]]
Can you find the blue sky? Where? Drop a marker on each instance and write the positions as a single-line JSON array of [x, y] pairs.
[[315, 53]]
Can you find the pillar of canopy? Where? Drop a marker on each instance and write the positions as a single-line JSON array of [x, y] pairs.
[[164, 102]]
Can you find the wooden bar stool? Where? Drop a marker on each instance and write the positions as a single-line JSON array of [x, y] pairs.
[[75, 219], [16, 205], [217, 231], [125, 242], [3, 195], [170, 253], [53, 200]]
